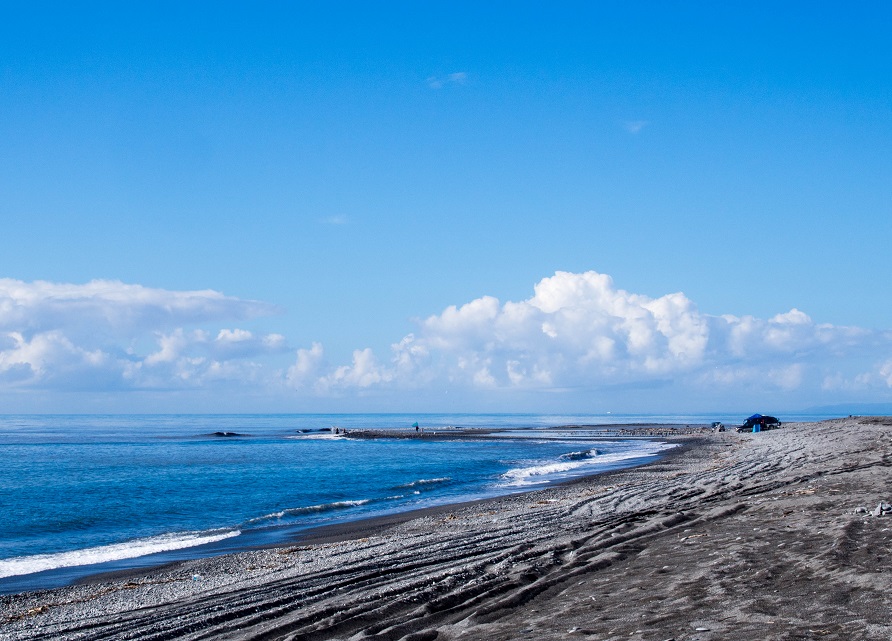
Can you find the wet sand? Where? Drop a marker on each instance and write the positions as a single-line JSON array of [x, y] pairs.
[[774, 535]]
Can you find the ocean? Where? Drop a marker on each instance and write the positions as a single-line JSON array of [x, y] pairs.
[[83, 494]]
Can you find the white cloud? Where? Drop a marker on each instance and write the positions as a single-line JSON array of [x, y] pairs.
[[46, 358], [234, 336], [885, 373], [113, 306], [578, 331], [307, 368], [362, 373], [173, 346], [878, 377], [635, 126], [231, 343], [72, 336], [195, 357], [575, 326], [456, 78]]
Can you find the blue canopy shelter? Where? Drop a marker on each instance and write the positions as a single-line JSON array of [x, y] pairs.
[[759, 422]]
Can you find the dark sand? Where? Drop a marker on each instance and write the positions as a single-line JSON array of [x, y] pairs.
[[775, 535]]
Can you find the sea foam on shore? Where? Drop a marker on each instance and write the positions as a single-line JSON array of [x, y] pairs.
[[18, 566]]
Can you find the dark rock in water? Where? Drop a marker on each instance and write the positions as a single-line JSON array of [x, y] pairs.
[[226, 434]]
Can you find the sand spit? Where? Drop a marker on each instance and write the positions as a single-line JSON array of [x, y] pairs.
[[775, 535], [461, 433]]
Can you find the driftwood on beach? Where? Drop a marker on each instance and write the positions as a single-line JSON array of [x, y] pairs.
[[774, 535]]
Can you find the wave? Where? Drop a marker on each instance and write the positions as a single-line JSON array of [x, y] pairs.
[[310, 436], [442, 479], [579, 456], [309, 509], [18, 566], [574, 464]]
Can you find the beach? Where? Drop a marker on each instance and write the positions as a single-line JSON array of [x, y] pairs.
[[774, 535]]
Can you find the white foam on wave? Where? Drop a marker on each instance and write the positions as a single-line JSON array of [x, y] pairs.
[[442, 479], [18, 566], [316, 437], [309, 509], [545, 472], [579, 456]]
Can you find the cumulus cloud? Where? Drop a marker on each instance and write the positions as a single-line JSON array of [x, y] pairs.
[[81, 336], [575, 327], [196, 357], [579, 331], [47, 357], [362, 373], [576, 332], [307, 368]]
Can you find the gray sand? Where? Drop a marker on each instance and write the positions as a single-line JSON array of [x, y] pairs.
[[777, 535]]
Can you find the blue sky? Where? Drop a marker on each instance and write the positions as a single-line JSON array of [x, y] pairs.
[[373, 206]]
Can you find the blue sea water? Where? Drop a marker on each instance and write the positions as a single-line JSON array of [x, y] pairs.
[[82, 494]]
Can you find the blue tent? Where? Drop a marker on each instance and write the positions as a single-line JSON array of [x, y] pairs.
[[757, 422]]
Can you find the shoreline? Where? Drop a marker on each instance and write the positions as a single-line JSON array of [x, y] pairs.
[[685, 438], [75, 575], [373, 525], [744, 536]]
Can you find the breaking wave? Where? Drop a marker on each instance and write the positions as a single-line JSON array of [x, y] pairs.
[[579, 456], [576, 464], [18, 566], [309, 509], [442, 479]]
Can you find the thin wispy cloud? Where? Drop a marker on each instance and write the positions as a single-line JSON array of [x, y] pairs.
[[635, 126], [438, 82], [336, 220], [113, 306]]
